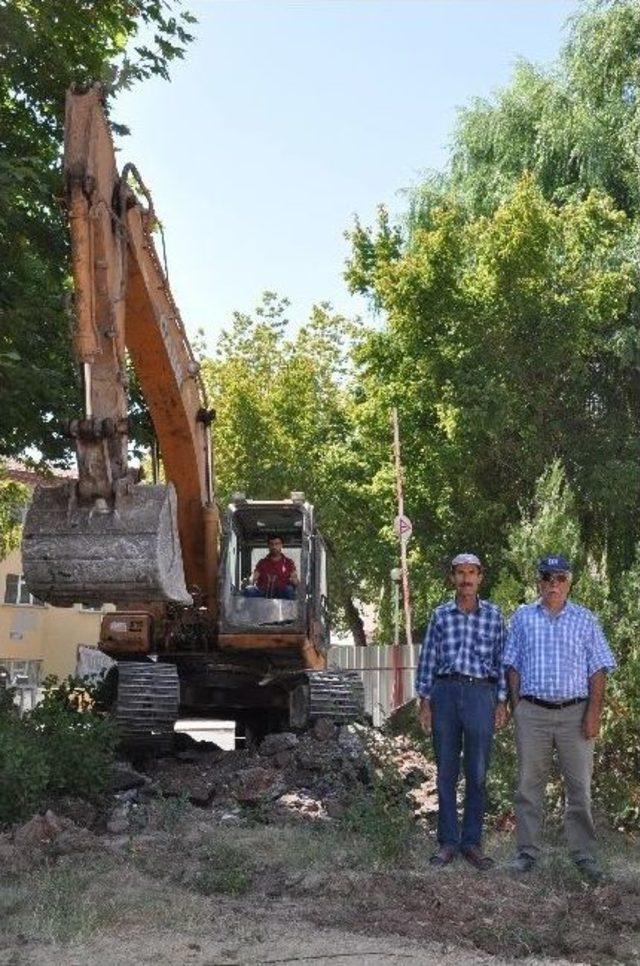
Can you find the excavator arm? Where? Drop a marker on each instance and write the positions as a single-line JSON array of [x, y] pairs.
[[107, 538]]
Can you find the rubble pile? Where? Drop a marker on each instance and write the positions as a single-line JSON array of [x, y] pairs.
[[309, 776], [313, 776], [42, 838]]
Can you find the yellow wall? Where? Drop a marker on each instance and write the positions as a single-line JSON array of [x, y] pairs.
[[49, 634]]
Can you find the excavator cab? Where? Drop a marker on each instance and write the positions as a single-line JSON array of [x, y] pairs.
[[247, 528]]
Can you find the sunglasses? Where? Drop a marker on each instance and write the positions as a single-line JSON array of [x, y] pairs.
[[551, 578]]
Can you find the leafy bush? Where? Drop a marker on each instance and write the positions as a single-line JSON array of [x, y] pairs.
[[61, 746]]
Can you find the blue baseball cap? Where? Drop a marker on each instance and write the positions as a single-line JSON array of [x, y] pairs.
[[554, 564]]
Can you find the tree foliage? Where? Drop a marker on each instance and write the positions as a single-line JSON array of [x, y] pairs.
[[46, 45], [506, 347], [13, 499], [575, 126]]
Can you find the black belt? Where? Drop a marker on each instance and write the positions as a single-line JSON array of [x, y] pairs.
[[552, 704], [467, 678]]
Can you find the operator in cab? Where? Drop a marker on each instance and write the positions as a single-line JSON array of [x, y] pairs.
[[275, 575]]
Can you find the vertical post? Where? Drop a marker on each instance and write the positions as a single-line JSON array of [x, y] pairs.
[[403, 544], [396, 616]]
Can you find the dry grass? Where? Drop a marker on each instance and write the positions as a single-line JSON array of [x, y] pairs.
[[319, 873]]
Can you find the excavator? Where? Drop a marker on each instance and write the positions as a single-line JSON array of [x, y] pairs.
[[186, 638]]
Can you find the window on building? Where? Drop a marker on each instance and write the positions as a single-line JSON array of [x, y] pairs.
[[17, 592]]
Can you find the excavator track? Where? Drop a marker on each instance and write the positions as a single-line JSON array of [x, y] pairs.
[[147, 704], [337, 695]]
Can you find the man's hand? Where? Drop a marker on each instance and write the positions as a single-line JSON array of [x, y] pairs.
[[591, 723], [424, 715], [500, 715]]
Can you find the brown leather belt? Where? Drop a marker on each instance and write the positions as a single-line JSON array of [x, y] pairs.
[[554, 705]]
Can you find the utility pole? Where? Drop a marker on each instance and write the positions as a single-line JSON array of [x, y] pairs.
[[402, 526]]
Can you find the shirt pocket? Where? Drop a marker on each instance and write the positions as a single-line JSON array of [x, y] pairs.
[[574, 655], [484, 647]]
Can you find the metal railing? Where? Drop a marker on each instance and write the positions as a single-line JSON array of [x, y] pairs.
[[388, 674]]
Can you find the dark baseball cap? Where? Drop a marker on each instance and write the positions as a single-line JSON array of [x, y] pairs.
[[554, 564]]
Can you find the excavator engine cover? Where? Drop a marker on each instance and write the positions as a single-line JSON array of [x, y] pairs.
[[92, 554]]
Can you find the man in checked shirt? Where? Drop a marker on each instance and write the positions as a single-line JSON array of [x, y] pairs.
[[462, 689], [557, 659]]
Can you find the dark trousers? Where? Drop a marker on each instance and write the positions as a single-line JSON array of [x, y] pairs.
[[462, 722]]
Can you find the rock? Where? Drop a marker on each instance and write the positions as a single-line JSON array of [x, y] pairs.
[[230, 818], [299, 804], [77, 810], [50, 834], [128, 795], [275, 743], [317, 756], [39, 831], [414, 776], [123, 776], [284, 758], [324, 729], [118, 821], [188, 749], [257, 784]]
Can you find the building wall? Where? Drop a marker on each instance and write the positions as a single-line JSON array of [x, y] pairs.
[[43, 633]]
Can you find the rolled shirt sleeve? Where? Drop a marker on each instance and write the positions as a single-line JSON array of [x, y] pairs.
[[599, 654], [427, 660], [512, 656]]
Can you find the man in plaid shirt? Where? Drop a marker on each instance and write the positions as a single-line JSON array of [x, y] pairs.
[[557, 659], [462, 689]]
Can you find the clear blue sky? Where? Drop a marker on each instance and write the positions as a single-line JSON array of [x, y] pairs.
[[287, 119]]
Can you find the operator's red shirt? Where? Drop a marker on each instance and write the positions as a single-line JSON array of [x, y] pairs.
[[274, 575]]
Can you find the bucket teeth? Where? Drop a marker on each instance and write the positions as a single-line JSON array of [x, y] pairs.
[[73, 553]]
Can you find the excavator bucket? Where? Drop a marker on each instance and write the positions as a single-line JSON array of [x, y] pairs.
[[93, 555]]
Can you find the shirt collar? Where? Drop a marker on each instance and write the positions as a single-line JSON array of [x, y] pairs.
[[480, 605], [544, 610]]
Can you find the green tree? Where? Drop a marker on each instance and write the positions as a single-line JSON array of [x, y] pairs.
[[46, 45], [575, 126], [501, 352]]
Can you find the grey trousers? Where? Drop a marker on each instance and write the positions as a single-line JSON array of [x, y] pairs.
[[538, 731]]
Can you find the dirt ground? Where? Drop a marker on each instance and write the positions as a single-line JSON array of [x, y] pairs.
[[304, 852], [239, 934]]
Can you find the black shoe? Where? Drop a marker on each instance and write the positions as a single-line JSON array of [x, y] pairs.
[[476, 857], [444, 856], [590, 869], [522, 863]]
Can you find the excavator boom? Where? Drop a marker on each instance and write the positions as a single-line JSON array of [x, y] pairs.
[[107, 538]]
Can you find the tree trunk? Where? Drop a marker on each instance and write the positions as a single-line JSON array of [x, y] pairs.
[[355, 622]]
